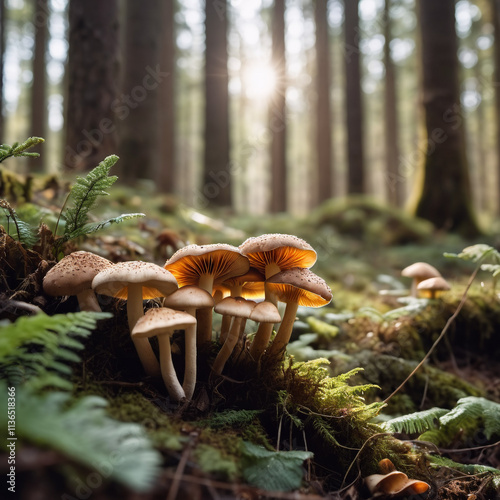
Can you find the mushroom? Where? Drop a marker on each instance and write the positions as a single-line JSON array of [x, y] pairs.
[[162, 322], [135, 281], [393, 483], [73, 275], [419, 271], [190, 299], [205, 266], [264, 313], [433, 286], [239, 308], [296, 286]]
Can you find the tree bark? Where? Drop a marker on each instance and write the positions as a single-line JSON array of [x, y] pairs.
[[323, 107], [277, 112], [393, 178], [2, 59], [167, 167], [38, 126], [354, 111], [216, 189], [445, 196], [496, 85], [92, 73], [144, 79]]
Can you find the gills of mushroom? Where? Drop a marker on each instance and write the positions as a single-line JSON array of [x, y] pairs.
[[134, 282], [296, 286], [162, 322]]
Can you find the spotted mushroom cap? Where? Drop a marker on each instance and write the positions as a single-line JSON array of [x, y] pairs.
[[285, 250], [189, 297], [74, 273], [420, 271], [161, 320], [221, 260], [156, 281], [301, 286]]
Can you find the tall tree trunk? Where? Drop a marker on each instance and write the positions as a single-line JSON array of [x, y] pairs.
[[144, 79], [92, 73], [496, 84], [393, 178], [167, 170], [445, 197], [481, 179], [277, 112], [39, 83], [216, 187], [323, 108], [354, 100], [2, 60]]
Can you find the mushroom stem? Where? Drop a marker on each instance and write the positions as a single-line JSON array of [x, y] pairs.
[[228, 346], [285, 329], [87, 301], [224, 327], [261, 340], [142, 346], [189, 382], [204, 316], [168, 374]]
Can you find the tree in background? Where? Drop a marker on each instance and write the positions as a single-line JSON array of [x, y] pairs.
[[166, 169], [143, 80], [38, 126], [393, 178], [277, 112], [354, 104], [323, 107], [445, 194], [92, 72], [2, 53], [496, 85], [216, 188]]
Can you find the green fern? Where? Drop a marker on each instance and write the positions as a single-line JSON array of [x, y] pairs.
[[477, 253], [84, 433], [415, 423], [23, 231], [18, 150], [232, 418], [83, 197], [37, 350]]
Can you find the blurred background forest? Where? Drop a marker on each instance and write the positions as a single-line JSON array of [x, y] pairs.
[[265, 106]]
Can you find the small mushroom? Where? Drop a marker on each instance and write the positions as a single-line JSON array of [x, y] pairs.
[[239, 308], [433, 286], [135, 281], [296, 286], [189, 299], [162, 322], [205, 266], [73, 275], [419, 271]]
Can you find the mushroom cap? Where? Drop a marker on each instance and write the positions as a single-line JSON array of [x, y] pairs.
[[189, 297], [285, 250], [387, 484], [160, 321], [74, 273], [265, 312], [420, 271], [155, 280], [438, 283], [301, 286], [221, 260], [235, 306]]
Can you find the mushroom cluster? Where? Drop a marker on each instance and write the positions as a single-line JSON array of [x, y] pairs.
[[427, 280], [240, 283]]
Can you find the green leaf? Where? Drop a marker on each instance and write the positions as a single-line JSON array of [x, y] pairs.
[[415, 423], [97, 226], [273, 470], [17, 150], [476, 253], [15, 227], [83, 432]]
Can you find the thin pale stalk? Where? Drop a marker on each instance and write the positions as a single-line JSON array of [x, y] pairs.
[[285, 330], [87, 301], [189, 382], [204, 316], [261, 340], [168, 374], [228, 347]]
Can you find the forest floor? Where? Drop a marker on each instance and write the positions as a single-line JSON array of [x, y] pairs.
[[208, 447]]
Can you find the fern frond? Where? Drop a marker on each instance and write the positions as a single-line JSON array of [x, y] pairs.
[[325, 431], [84, 194], [13, 225], [37, 349], [97, 226], [83, 432], [477, 253], [17, 150], [232, 418], [415, 423]]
